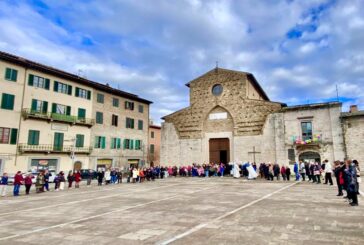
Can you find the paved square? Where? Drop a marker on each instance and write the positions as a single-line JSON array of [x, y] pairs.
[[184, 211]]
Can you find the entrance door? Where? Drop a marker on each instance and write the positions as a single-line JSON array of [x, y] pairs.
[[310, 156], [58, 141], [219, 150]]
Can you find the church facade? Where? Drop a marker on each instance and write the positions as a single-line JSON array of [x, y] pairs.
[[230, 118]]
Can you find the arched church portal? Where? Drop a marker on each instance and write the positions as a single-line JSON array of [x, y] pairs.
[[310, 156]]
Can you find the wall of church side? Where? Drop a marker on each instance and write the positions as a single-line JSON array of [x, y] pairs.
[[243, 148], [337, 133], [354, 138]]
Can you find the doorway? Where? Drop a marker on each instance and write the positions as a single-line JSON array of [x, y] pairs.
[[310, 156], [219, 150]]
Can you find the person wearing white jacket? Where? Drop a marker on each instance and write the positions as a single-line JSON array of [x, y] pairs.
[[328, 172]]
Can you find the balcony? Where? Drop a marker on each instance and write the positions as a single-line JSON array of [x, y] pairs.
[[300, 142], [67, 149], [74, 120]]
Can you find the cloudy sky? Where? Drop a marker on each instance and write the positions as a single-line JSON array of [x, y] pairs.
[[297, 50]]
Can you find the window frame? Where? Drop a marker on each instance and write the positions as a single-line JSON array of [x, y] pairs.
[[3, 135]]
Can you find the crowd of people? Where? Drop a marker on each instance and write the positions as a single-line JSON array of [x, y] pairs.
[[347, 175]]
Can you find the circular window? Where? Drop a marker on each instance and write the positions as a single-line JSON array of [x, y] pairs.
[[217, 89]]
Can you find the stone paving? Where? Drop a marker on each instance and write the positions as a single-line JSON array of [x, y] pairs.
[[184, 211]]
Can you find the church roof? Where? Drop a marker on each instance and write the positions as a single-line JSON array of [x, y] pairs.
[[311, 106], [249, 75]]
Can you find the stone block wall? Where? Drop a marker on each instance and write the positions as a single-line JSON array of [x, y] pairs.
[[354, 138]]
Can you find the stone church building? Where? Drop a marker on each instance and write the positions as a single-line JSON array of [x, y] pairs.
[[230, 118]]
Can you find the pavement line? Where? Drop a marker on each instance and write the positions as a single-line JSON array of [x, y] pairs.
[[99, 215], [200, 226], [86, 200]]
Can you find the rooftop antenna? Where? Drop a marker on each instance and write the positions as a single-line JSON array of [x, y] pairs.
[[337, 94], [79, 72], [217, 66]]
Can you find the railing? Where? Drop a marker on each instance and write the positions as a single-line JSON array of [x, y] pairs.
[[28, 113], [53, 149], [314, 140]]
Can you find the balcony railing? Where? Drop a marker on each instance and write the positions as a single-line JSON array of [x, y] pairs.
[[28, 113], [314, 140], [53, 149]]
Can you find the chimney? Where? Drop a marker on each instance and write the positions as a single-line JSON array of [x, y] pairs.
[[353, 108]]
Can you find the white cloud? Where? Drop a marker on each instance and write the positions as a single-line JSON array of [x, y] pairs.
[[153, 49]]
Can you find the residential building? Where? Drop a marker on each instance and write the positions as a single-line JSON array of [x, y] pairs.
[[154, 145], [47, 117], [120, 134]]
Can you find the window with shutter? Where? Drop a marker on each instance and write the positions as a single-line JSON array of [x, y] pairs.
[[7, 101], [115, 102], [99, 117], [80, 138], [4, 135], [11, 74], [100, 98], [14, 136], [33, 137], [81, 113], [140, 124]]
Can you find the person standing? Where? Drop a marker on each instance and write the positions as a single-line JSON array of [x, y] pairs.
[[4, 184], [70, 179], [18, 181], [222, 169], [28, 183], [328, 172], [39, 183], [296, 171], [338, 171], [62, 180], [100, 177], [46, 179], [135, 175], [303, 170], [358, 179], [283, 173], [288, 173], [56, 182], [90, 175], [317, 172], [78, 178], [352, 185]]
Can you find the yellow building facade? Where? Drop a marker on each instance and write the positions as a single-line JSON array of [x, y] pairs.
[[48, 119]]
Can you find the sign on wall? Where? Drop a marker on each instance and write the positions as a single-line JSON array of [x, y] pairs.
[[59, 127], [218, 115]]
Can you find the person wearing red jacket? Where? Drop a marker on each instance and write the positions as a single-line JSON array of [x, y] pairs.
[[18, 181], [77, 179], [28, 183]]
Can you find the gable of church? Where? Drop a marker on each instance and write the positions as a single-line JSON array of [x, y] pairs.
[[238, 94]]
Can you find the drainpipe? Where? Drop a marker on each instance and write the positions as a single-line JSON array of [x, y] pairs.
[[20, 119]]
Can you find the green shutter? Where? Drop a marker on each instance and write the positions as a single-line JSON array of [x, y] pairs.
[[99, 118], [14, 75], [132, 123], [118, 143], [124, 146], [140, 124], [34, 105], [45, 107], [31, 80], [47, 83], [54, 108], [80, 138], [77, 92], [103, 142], [14, 136], [112, 145], [131, 144], [68, 110], [69, 90], [55, 86], [96, 142], [88, 95], [7, 101], [33, 137], [81, 113], [8, 74], [58, 141]]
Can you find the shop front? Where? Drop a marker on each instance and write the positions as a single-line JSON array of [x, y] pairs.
[[103, 164], [37, 165]]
